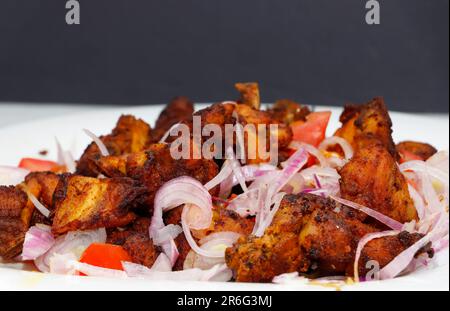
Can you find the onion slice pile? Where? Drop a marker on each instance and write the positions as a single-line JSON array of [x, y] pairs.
[[197, 212]]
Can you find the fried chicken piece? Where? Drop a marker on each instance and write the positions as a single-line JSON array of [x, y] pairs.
[[252, 120], [130, 135], [421, 150], [287, 111], [178, 110], [83, 203], [384, 250], [223, 220], [310, 235], [15, 217], [141, 249], [373, 179], [155, 167], [249, 94], [136, 241], [367, 124], [278, 251]]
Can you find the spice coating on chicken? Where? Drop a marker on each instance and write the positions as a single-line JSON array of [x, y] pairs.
[[83, 203], [364, 125], [15, 217], [372, 178], [311, 235]]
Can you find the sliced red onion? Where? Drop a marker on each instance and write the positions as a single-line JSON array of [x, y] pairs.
[[224, 173], [441, 244], [335, 140], [171, 251], [311, 150], [65, 158], [391, 223], [39, 206], [245, 204], [421, 166], [218, 241], [187, 234], [268, 220], [440, 161], [91, 270], [63, 264], [74, 242], [418, 201], [169, 232], [101, 146], [197, 210], [363, 242], [236, 167], [11, 176], [162, 264], [293, 165], [219, 273], [179, 191], [38, 240]]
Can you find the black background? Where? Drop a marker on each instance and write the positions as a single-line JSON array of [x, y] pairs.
[[319, 52]]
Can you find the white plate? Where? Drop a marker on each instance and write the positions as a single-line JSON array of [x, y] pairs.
[[27, 139]]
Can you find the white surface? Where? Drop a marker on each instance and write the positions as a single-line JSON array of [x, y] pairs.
[[27, 139]]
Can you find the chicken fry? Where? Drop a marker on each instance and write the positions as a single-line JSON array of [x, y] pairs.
[[83, 203]]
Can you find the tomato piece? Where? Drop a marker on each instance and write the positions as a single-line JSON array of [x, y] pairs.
[[406, 156], [105, 256], [37, 165], [313, 130]]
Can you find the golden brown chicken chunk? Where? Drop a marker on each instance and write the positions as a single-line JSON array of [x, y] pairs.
[[129, 135], [309, 234], [287, 111], [249, 94], [83, 203], [421, 150], [155, 167], [366, 124], [373, 179], [15, 217], [42, 185], [178, 110]]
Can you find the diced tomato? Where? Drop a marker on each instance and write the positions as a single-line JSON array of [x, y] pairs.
[[105, 256], [313, 130], [406, 156], [37, 165]]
